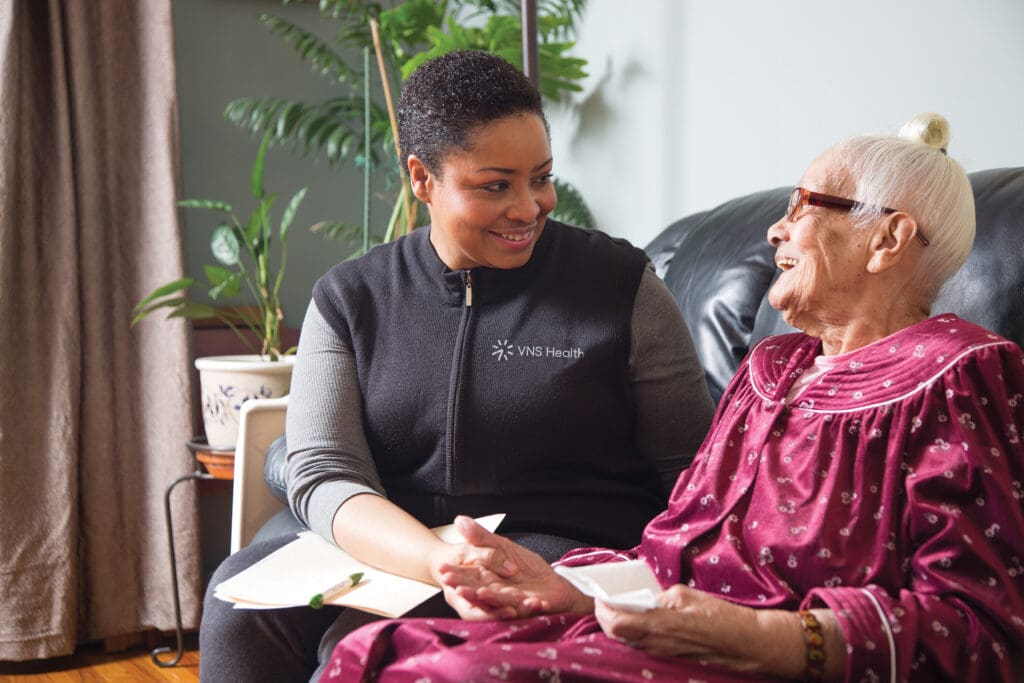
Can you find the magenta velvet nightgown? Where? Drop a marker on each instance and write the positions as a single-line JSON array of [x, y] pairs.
[[889, 492]]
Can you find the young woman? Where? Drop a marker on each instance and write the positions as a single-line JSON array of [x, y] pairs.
[[495, 361]]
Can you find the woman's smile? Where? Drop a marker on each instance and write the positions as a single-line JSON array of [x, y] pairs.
[[520, 239]]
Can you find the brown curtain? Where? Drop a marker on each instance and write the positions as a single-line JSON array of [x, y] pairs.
[[94, 415]]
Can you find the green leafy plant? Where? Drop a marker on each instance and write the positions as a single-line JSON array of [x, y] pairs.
[[247, 274], [352, 126]]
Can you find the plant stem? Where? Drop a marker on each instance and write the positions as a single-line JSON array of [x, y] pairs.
[[396, 214], [245, 341], [366, 149], [410, 221]]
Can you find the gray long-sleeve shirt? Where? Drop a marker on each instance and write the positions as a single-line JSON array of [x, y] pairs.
[[330, 460]]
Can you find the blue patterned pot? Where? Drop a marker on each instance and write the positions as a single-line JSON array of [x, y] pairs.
[[226, 382]]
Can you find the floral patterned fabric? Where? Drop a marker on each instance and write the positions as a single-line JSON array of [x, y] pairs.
[[889, 491]]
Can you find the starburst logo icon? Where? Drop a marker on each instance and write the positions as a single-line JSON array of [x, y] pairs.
[[503, 349]]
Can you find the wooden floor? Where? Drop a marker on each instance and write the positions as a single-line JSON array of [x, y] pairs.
[[90, 664]]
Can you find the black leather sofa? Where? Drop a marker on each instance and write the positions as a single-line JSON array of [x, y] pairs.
[[718, 265]]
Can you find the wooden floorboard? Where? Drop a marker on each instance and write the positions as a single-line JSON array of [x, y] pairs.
[[90, 664]]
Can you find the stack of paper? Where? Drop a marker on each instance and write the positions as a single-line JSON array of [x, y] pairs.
[[309, 565], [629, 585]]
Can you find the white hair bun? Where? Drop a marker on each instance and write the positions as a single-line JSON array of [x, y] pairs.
[[929, 129]]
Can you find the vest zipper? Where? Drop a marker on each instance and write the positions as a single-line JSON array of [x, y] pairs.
[[455, 388]]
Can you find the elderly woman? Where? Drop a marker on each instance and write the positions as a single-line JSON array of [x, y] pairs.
[[854, 513]]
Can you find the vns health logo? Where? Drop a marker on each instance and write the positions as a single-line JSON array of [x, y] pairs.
[[504, 349]]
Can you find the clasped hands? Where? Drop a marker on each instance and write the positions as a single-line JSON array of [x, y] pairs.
[[491, 577]]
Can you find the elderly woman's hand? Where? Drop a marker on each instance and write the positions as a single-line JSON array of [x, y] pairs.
[[692, 623], [499, 579]]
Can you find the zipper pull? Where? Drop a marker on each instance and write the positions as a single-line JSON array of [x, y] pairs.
[[469, 289]]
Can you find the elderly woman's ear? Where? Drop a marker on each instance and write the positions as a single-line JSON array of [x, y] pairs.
[[892, 241]]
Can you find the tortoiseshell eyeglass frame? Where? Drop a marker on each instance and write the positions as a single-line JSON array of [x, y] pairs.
[[801, 196]]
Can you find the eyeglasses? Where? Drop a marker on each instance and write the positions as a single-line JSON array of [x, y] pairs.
[[800, 197]]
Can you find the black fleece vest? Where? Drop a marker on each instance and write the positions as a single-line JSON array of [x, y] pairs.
[[489, 390]]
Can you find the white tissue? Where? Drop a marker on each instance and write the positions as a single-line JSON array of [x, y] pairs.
[[629, 585]]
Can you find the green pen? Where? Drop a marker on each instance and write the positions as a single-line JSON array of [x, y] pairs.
[[318, 600]]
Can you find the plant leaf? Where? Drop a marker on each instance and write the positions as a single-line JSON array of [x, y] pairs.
[[212, 204], [257, 234], [166, 303], [165, 290], [336, 230], [224, 282], [228, 289], [289, 212], [336, 143], [571, 207], [307, 127], [224, 244], [194, 310], [289, 115], [321, 58], [257, 167]]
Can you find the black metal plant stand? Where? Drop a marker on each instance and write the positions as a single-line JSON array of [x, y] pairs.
[[193, 476]]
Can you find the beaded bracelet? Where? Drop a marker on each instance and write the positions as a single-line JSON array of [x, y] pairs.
[[815, 668]]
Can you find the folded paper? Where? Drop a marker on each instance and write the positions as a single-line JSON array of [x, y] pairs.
[[288, 576]]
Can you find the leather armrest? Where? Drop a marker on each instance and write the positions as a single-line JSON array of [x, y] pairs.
[[274, 468]]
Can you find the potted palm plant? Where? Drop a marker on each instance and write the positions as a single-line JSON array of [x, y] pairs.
[[243, 286]]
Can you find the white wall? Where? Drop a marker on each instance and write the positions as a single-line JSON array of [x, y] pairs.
[[691, 102]]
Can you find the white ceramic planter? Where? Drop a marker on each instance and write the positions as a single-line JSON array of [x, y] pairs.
[[226, 382]]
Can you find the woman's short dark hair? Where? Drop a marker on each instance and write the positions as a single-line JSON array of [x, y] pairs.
[[447, 99]]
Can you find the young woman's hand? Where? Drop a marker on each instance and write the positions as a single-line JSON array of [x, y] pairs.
[[495, 578]]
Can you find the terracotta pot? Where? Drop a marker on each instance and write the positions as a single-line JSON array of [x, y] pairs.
[[226, 382], [220, 464]]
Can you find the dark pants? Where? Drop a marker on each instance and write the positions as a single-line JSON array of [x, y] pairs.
[[284, 645]]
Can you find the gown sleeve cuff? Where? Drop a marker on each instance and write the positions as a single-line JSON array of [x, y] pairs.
[[870, 643]]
